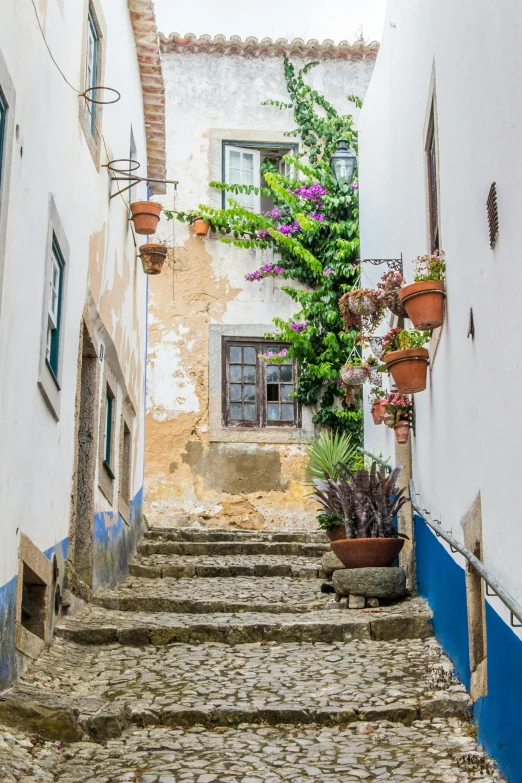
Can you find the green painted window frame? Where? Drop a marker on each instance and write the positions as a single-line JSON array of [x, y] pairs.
[[109, 412], [3, 124], [52, 360], [254, 145], [92, 29]]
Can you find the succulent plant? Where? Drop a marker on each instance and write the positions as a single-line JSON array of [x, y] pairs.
[[366, 501]]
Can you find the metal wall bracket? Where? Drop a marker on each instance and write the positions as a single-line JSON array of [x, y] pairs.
[[393, 263], [127, 175]]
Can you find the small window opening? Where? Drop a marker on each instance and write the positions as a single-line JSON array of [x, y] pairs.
[[108, 432], [54, 310], [34, 592], [91, 69], [126, 466]]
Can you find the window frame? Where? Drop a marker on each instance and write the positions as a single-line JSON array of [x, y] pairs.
[[92, 32], [109, 410], [90, 114], [125, 466], [261, 422], [256, 146], [54, 322]]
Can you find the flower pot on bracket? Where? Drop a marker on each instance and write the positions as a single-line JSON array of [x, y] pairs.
[[402, 431], [152, 258], [378, 412], [145, 216], [367, 552], [201, 227], [408, 369], [424, 303]]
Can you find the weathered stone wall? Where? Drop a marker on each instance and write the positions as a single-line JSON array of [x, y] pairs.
[[194, 469]]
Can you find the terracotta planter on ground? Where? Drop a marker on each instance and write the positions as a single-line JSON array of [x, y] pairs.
[[336, 535], [402, 431], [424, 303], [367, 552], [152, 258], [408, 369], [145, 216], [201, 227], [378, 412]]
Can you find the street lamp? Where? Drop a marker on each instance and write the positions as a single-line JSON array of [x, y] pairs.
[[343, 163]]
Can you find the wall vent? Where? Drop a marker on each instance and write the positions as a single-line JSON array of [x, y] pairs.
[[493, 215]]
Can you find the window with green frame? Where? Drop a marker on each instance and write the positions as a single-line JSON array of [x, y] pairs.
[[108, 440], [3, 121], [54, 310], [91, 69]]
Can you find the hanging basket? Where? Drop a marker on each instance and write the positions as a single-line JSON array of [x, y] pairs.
[[152, 258], [408, 369], [354, 375], [376, 346], [424, 303], [201, 227], [375, 377], [361, 305], [145, 216], [394, 304]]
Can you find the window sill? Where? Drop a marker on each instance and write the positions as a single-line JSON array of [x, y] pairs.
[[260, 435], [109, 470], [49, 388]]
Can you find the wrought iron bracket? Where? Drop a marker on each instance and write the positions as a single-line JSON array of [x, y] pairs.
[[393, 263], [127, 175]]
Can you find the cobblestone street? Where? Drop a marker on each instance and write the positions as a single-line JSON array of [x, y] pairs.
[[238, 677]]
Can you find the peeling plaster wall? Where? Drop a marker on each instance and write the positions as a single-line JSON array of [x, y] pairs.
[[49, 154], [189, 475]]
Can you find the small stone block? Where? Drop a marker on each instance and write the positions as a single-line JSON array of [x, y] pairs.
[[372, 603], [343, 603], [330, 563], [333, 604], [356, 601], [387, 582]]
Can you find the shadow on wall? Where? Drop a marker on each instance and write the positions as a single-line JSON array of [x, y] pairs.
[[115, 543], [498, 715]]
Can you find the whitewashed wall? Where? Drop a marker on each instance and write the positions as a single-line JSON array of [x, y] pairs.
[[469, 423], [51, 157]]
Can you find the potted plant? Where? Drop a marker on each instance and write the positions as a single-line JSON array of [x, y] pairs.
[[355, 372], [145, 216], [406, 359], [378, 408], [153, 255], [201, 226], [388, 288], [363, 301], [367, 502], [374, 376], [398, 415], [325, 455], [361, 309], [424, 299]]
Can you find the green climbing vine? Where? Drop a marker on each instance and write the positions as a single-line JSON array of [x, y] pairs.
[[313, 228]]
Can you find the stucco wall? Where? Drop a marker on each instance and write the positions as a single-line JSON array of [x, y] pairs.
[[192, 470], [467, 432], [48, 156]]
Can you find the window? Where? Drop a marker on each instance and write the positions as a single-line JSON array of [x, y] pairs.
[[91, 69], [54, 311], [125, 470], [3, 123], [257, 394], [108, 431], [242, 162], [433, 182]]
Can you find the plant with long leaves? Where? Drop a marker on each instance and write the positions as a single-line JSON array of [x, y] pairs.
[[366, 501], [327, 452]]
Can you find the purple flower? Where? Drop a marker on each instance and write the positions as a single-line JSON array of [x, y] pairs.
[[312, 192], [299, 327], [317, 216], [263, 233], [329, 272], [290, 228], [355, 186], [267, 270]]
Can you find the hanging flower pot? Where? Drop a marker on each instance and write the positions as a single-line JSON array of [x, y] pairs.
[[354, 374], [201, 227], [378, 412], [375, 377], [402, 431], [395, 305], [362, 305], [376, 346], [145, 216], [408, 369], [424, 303], [152, 258]]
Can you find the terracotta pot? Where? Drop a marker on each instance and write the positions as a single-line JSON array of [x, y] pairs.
[[402, 431], [201, 227], [378, 412], [152, 258], [367, 552], [408, 369], [145, 216], [336, 535], [353, 375], [424, 303]]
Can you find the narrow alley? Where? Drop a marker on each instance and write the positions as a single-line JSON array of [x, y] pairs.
[[220, 659]]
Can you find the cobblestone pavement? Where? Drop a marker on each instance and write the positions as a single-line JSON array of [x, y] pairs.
[[239, 678]]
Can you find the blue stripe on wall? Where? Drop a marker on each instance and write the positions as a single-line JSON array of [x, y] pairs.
[[115, 543], [499, 714]]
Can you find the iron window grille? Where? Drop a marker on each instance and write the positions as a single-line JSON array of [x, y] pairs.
[[257, 394]]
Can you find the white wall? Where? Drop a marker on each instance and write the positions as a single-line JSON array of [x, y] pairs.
[[36, 451], [469, 423]]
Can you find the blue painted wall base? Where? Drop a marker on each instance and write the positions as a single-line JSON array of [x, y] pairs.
[[499, 714]]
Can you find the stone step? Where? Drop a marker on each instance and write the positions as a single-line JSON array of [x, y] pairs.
[[222, 534], [409, 619], [440, 750], [220, 548], [211, 596], [186, 566]]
